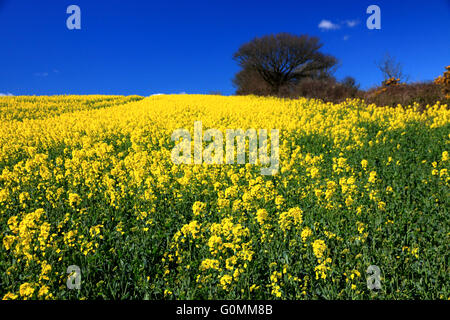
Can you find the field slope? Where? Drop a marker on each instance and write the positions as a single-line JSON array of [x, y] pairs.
[[89, 181]]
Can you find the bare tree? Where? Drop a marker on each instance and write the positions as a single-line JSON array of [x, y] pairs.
[[390, 68], [283, 59]]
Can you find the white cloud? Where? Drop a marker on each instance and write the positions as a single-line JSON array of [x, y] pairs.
[[8, 94], [346, 37], [328, 25], [352, 23]]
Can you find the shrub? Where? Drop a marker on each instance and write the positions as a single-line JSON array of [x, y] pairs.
[[328, 90], [393, 93], [444, 82]]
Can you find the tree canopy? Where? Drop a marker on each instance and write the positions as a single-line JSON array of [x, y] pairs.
[[282, 59]]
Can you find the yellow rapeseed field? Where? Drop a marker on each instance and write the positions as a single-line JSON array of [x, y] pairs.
[[88, 181]]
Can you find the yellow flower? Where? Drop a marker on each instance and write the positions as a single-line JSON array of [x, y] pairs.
[[372, 177], [348, 200], [74, 199], [306, 233], [225, 281], [318, 192], [198, 208], [321, 269], [43, 291], [167, 293], [192, 228], [253, 287], [314, 172], [319, 248], [209, 264], [360, 227], [364, 164], [415, 252], [10, 296], [279, 200], [293, 216], [4, 194], [445, 156], [8, 241], [276, 291], [261, 216], [12, 224], [26, 290]]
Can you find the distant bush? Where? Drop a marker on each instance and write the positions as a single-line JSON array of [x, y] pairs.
[[393, 93], [215, 93], [444, 82], [328, 89]]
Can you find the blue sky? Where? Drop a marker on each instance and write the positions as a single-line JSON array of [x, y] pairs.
[[146, 47]]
